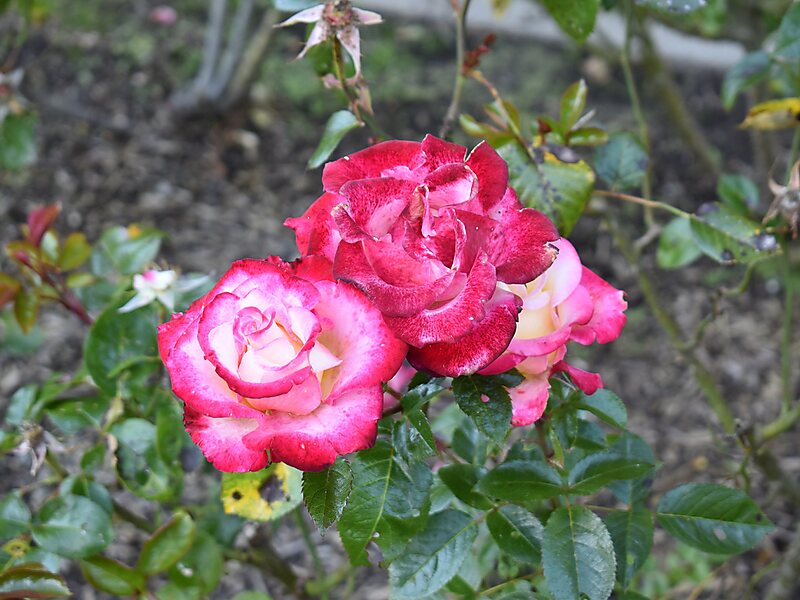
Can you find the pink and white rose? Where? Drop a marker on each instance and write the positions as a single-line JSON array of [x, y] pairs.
[[427, 231], [567, 303], [278, 363]]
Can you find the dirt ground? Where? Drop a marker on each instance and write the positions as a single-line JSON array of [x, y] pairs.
[[221, 187]]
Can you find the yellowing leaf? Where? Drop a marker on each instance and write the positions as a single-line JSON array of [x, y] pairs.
[[264, 495], [773, 114]]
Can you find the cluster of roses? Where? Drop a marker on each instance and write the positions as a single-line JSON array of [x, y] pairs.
[[416, 251]]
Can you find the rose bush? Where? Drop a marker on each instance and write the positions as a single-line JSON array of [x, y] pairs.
[[277, 363], [567, 303], [427, 231]]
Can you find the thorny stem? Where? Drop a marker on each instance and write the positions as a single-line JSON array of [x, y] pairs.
[[450, 117]]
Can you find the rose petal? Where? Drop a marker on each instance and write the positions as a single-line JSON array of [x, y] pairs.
[[520, 248], [608, 318], [492, 173], [352, 266], [371, 162], [478, 348], [220, 439], [315, 231], [194, 379], [373, 206], [450, 321], [312, 442], [586, 381], [355, 332], [438, 152], [529, 400]]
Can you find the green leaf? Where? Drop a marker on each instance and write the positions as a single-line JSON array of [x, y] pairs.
[[116, 338], [72, 526], [433, 557], [382, 485], [587, 136], [787, 39], [622, 163], [75, 414], [676, 6], [712, 518], [598, 469], [632, 534], [676, 246], [739, 193], [264, 495], [80, 485], [743, 75], [16, 342], [252, 596], [139, 465], [111, 576], [26, 309], [339, 125], [17, 141], [493, 417], [577, 555], [575, 17], [632, 491], [20, 405], [467, 442], [15, 516], [727, 237], [522, 481], [517, 533], [31, 580], [125, 250], [325, 493], [201, 568], [74, 252], [560, 190], [167, 545], [606, 406], [461, 479], [573, 101]]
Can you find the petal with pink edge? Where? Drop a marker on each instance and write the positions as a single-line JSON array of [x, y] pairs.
[[521, 247], [608, 318], [529, 399], [586, 381], [352, 266], [315, 231], [454, 319], [312, 442], [492, 173], [195, 381], [220, 439], [479, 347], [373, 205], [354, 331], [438, 152], [371, 162]]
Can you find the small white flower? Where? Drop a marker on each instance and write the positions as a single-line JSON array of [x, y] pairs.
[[152, 285], [335, 18]]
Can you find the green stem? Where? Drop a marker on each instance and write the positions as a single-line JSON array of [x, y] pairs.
[[786, 345], [319, 572], [702, 374], [644, 202], [132, 518], [53, 463], [783, 423], [458, 85]]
